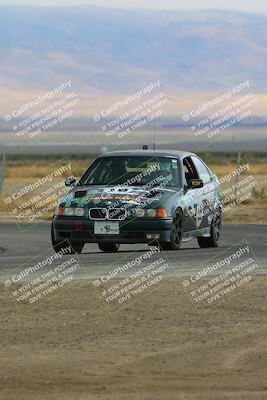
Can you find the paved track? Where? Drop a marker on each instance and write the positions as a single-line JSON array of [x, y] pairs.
[[19, 246]]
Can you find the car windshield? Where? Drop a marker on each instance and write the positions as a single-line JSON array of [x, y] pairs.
[[133, 171]]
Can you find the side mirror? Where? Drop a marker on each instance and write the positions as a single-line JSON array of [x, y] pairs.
[[195, 184], [70, 181]]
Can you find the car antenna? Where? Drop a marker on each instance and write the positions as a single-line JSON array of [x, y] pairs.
[[154, 133]]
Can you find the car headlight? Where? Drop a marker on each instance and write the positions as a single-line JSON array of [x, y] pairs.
[[151, 212], [139, 212], [68, 211], [71, 211], [79, 212]]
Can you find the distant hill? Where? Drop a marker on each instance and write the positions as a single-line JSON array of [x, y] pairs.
[[114, 51]]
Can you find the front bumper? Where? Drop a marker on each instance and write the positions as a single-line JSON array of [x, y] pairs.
[[131, 231]]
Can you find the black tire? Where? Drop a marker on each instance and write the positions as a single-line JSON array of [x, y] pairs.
[[109, 247], [215, 235], [76, 248], [176, 233]]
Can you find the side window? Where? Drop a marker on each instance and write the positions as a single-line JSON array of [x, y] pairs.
[[202, 170], [189, 170]]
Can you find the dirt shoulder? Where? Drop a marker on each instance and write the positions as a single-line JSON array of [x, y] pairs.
[[159, 347]]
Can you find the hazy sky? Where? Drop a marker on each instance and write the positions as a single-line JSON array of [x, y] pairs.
[[256, 6]]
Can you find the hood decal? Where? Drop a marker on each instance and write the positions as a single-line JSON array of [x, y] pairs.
[[121, 195]]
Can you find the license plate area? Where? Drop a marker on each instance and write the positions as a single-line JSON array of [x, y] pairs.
[[106, 228]]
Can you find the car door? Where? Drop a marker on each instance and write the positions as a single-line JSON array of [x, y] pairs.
[[191, 198], [205, 196]]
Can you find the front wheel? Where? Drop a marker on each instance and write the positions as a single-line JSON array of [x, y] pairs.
[[215, 235], [176, 232], [109, 247]]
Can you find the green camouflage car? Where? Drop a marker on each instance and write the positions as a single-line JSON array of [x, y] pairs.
[[155, 197]]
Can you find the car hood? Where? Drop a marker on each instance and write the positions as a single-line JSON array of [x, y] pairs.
[[110, 196]]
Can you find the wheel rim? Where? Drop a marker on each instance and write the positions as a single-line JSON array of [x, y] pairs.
[[217, 229], [177, 229]]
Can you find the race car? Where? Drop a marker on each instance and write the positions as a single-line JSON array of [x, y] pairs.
[[145, 196]]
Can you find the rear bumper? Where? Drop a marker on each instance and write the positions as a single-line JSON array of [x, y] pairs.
[[134, 231]]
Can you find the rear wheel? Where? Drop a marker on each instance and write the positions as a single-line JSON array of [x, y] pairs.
[[109, 247], [66, 246], [176, 232], [215, 235]]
